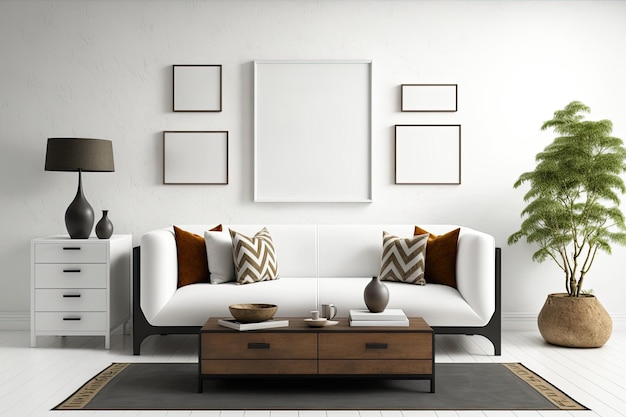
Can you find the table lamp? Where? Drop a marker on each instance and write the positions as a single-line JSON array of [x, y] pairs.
[[82, 155]]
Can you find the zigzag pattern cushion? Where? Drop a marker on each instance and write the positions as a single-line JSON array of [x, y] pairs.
[[254, 257], [403, 259]]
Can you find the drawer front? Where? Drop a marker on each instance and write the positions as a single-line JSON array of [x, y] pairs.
[[375, 345], [259, 367], [70, 300], [376, 367], [251, 345], [68, 321], [70, 276], [70, 252]]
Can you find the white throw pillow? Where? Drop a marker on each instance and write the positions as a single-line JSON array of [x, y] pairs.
[[219, 252]]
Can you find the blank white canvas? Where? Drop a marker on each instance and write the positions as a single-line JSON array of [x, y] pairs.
[[195, 157], [428, 154], [312, 131], [429, 97], [197, 88]]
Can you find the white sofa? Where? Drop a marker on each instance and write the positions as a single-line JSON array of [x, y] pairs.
[[319, 264]]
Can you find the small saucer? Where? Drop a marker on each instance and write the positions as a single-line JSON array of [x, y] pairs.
[[331, 323], [316, 323]]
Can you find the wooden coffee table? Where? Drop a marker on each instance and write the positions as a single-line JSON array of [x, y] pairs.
[[329, 351]]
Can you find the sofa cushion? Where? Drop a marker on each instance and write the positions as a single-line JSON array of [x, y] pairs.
[[439, 305], [219, 252], [403, 258], [441, 257], [191, 256], [254, 257]]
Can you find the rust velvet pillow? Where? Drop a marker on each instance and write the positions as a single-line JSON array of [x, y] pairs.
[[191, 254], [440, 257]]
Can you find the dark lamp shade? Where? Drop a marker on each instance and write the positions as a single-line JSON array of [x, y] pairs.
[[74, 154]]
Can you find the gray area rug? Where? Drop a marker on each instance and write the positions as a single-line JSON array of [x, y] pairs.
[[173, 386]]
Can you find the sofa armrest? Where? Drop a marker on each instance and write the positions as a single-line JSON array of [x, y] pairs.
[[475, 271], [159, 270]]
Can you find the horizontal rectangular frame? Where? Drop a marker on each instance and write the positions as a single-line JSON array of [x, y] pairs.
[[316, 116], [428, 154], [195, 157], [197, 88], [429, 97]]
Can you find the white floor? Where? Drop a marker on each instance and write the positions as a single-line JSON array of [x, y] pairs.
[[32, 381]]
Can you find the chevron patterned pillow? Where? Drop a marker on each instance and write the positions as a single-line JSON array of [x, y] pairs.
[[403, 259], [254, 257]]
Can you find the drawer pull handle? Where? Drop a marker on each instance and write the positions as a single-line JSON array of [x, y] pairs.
[[258, 345], [71, 247], [376, 346], [71, 318], [71, 270], [71, 295]]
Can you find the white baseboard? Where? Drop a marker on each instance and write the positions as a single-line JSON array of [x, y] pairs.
[[528, 321], [14, 321], [510, 321]]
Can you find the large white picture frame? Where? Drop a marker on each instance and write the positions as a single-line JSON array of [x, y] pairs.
[[312, 131], [428, 154]]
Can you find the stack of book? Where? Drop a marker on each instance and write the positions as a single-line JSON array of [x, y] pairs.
[[389, 317], [241, 326]]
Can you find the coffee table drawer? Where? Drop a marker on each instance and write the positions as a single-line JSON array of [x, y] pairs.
[[375, 345], [251, 345], [259, 367], [375, 367]]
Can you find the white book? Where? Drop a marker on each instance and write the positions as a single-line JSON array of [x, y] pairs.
[[237, 325], [389, 314], [391, 323]]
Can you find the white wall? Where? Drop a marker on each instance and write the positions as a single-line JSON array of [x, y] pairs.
[[102, 69]]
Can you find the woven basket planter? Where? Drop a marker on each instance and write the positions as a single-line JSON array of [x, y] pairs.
[[579, 322]]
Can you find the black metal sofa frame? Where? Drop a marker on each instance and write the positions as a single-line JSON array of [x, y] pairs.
[[143, 329]]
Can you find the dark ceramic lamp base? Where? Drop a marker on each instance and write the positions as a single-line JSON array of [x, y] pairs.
[[79, 215]]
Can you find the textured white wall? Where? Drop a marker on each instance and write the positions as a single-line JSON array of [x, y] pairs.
[[102, 69]]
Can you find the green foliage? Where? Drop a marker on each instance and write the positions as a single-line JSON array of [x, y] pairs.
[[574, 197]]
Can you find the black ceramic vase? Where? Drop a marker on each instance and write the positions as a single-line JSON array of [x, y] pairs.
[[104, 228], [376, 295]]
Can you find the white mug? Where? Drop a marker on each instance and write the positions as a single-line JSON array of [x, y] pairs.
[[315, 315], [329, 311]]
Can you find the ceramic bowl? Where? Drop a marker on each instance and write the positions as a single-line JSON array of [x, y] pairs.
[[252, 313]]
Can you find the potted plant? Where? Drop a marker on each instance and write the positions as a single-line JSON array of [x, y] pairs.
[[572, 214]]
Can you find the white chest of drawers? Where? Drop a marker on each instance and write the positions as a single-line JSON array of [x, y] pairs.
[[80, 287]]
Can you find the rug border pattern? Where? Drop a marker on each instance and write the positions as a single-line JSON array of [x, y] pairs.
[[79, 399], [557, 397]]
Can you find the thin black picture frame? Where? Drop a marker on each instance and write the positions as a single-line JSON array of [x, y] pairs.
[[427, 140], [191, 163], [429, 98], [197, 88]]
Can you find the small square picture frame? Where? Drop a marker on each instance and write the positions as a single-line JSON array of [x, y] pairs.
[[195, 157], [197, 88], [429, 97], [428, 154]]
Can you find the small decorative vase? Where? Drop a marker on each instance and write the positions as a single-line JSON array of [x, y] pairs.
[[579, 322], [376, 295], [104, 228]]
